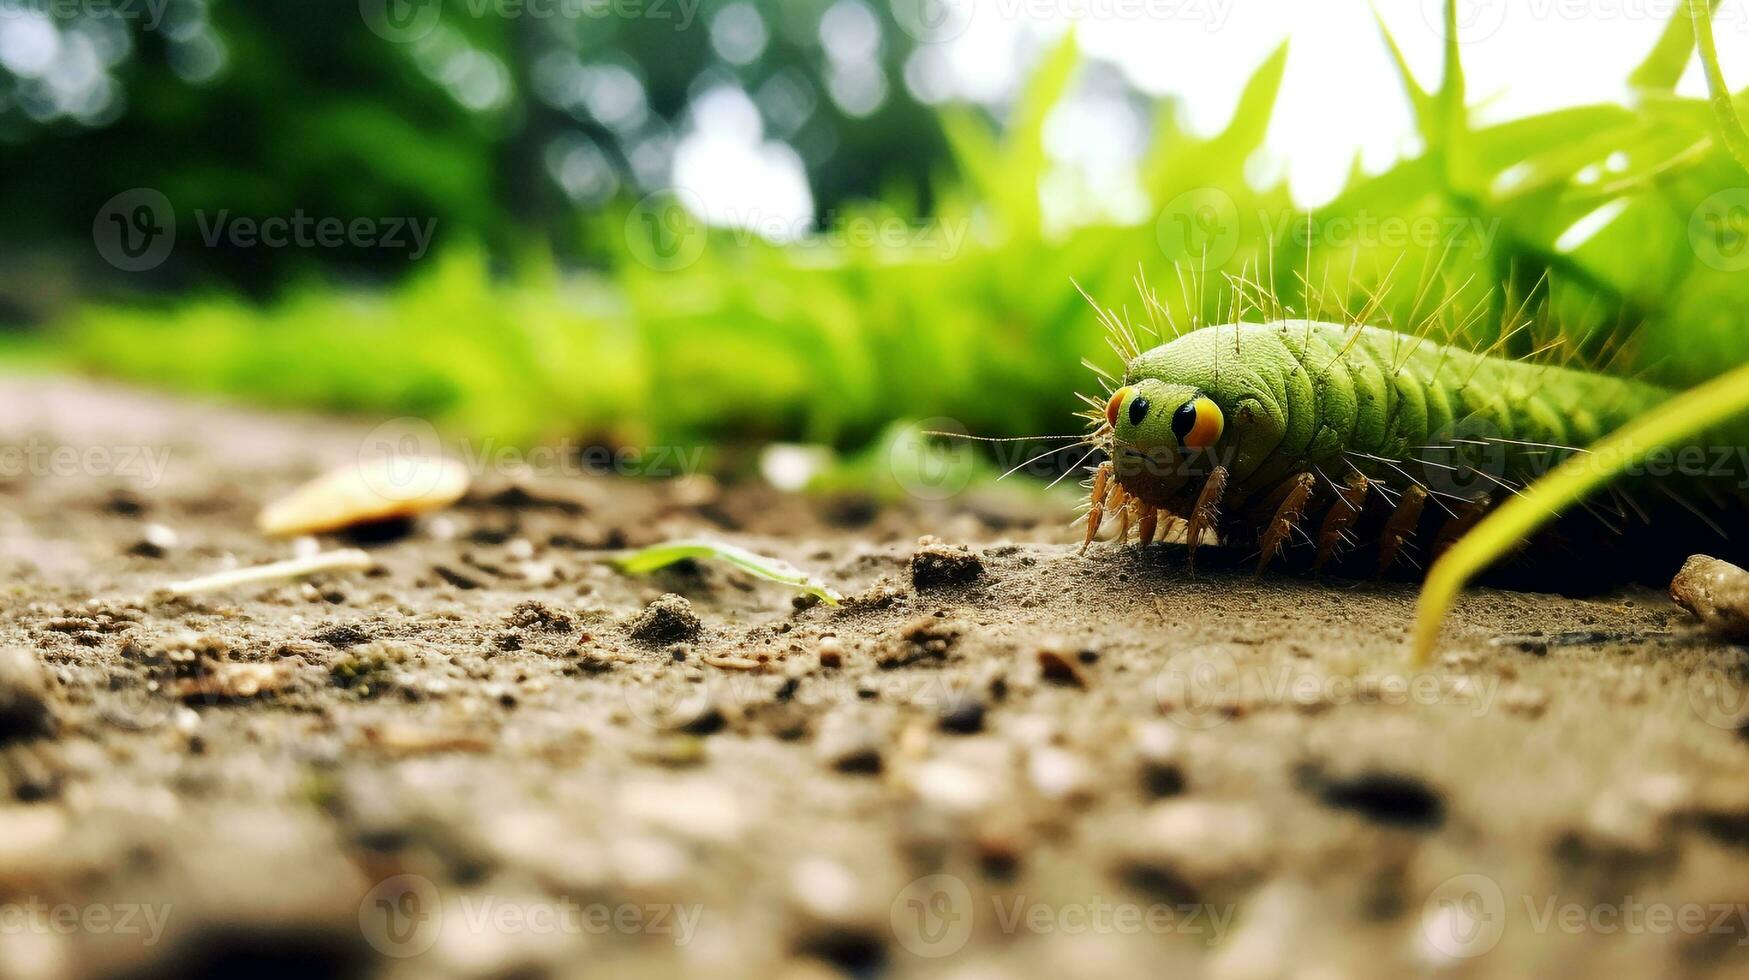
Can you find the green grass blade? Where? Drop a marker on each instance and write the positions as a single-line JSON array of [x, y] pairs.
[[1730, 127], [1256, 106], [662, 555], [1664, 65], [1420, 100], [1680, 418]]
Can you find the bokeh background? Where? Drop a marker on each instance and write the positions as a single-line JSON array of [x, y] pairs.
[[729, 223]]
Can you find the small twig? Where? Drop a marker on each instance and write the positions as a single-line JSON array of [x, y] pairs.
[[346, 560]]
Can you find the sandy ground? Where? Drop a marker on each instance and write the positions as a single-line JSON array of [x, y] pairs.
[[491, 757]]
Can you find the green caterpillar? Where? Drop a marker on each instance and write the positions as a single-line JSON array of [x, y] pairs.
[[1256, 428]]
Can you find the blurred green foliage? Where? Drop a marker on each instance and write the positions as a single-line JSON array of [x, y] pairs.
[[1606, 226], [261, 110]]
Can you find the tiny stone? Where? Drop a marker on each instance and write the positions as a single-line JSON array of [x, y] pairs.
[[1058, 775], [850, 747], [25, 712], [1059, 669], [1717, 592], [963, 718], [156, 541], [669, 619], [707, 720], [1530, 702], [934, 565], [951, 786]]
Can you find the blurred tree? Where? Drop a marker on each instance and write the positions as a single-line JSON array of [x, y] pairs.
[[501, 119]]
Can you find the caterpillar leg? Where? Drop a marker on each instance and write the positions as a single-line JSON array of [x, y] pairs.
[[1287, 517], [1350, 498], [1207, 511], [1464, 516], [1146, 525], [1400, 525], [1096, 503]]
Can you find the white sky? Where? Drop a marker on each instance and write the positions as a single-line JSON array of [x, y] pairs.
[[1340, 95]]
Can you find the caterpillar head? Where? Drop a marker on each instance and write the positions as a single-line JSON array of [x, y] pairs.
[[1158, 429], [1186, 407]]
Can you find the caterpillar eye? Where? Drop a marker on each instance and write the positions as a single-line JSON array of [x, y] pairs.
[[1198, 423], [1138, 411], [1116, 402]]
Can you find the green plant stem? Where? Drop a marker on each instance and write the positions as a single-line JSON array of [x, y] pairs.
[[1680, 418], [1730, 127]]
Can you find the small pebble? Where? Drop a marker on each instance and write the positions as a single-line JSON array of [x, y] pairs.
[[850, 747], [25, 711], [669, 619], [950, 786], [1717, 592], [1197, 843], [156, 541], [1059, 775], [367, 492], [1058, 668], [935, 565], [963, 718]]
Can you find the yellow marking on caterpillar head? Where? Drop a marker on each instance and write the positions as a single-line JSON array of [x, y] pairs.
[[1198, 423]]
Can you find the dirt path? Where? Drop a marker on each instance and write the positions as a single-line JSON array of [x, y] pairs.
[[490, 756]]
